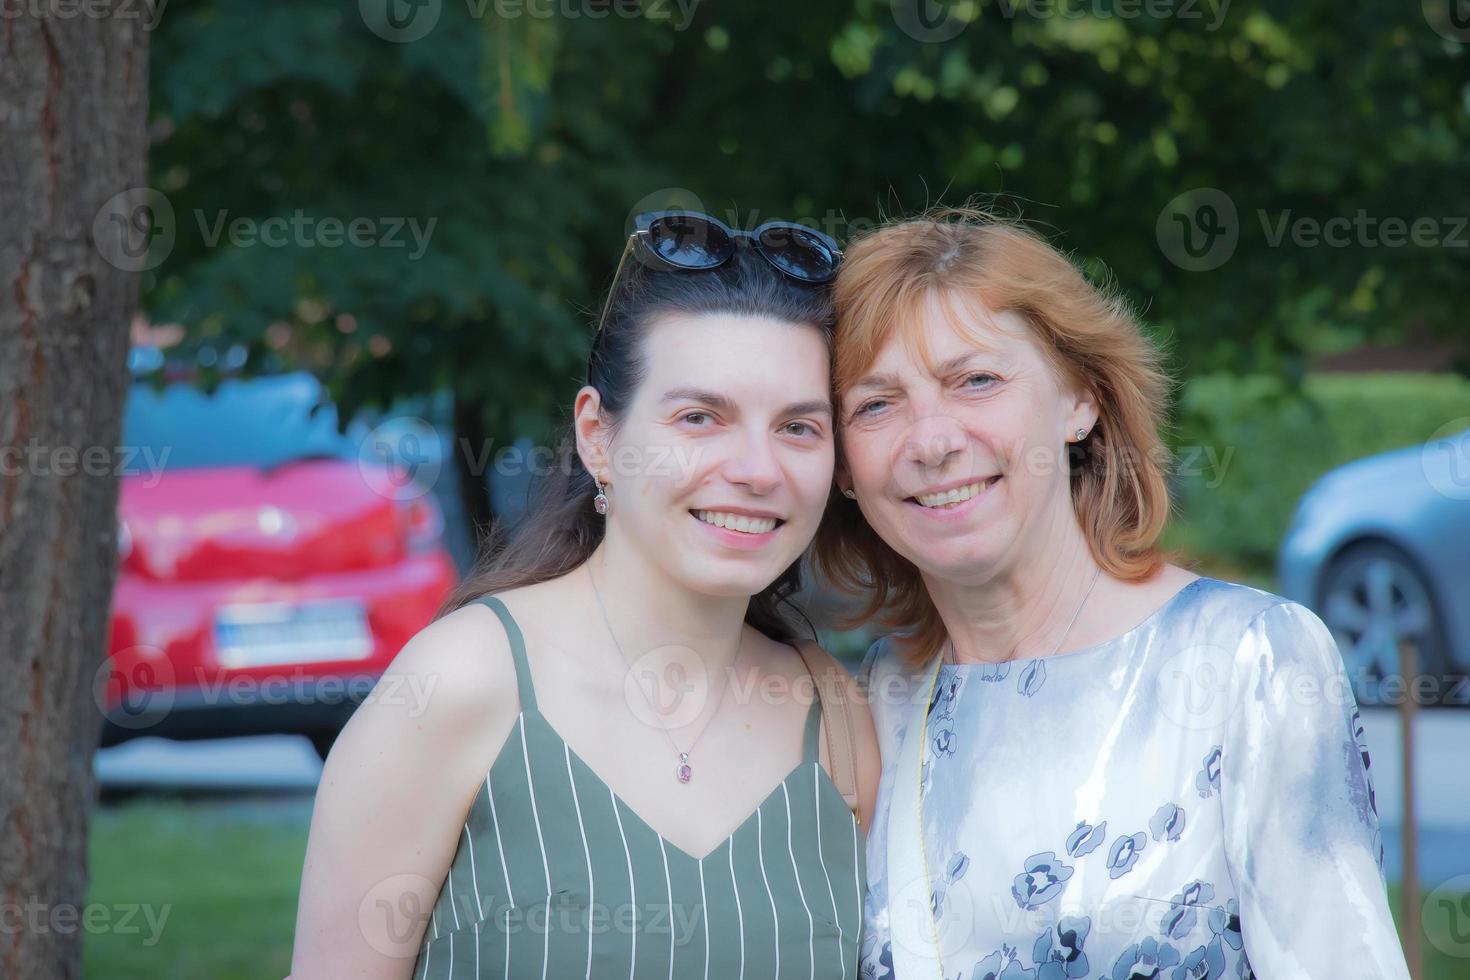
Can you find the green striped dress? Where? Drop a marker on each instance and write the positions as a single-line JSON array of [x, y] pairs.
[[555, 877]]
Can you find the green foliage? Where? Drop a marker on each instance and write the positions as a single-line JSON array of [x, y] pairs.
[[526, 141], [1246, 449]]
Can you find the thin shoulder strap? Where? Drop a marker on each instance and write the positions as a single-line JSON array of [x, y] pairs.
[[832, 693], [517, 650]]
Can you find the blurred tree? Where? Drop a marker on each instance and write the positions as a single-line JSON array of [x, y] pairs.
[[73, 107], [519, 136]]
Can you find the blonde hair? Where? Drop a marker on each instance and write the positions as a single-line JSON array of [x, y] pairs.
[[1088, 335]]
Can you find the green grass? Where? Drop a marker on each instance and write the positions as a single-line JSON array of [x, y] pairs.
[[227, 872]]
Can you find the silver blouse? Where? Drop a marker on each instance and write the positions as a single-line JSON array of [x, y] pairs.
[[1192, 799]]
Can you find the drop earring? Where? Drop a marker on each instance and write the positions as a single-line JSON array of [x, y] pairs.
[[599, 502]]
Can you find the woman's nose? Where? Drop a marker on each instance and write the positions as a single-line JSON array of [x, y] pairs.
[[931, 441], [754, 465]]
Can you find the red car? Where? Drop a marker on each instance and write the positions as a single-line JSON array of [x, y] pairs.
[[270, 568]]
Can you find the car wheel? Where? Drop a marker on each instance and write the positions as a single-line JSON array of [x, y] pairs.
[[1373, 597]]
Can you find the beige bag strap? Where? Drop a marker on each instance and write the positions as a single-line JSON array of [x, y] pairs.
[[832, 688]]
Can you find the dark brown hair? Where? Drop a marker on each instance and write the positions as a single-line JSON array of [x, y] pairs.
[[560, 530]]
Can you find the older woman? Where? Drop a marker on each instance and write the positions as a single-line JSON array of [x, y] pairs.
[[1096, 763]]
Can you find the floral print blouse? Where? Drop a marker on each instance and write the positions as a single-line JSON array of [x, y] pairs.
[[1192, 799]]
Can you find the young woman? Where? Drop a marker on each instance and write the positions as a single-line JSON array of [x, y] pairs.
[[620, 769], [1096, 763]]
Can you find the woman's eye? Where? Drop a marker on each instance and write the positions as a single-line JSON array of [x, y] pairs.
[[979, 380], [869, 407]]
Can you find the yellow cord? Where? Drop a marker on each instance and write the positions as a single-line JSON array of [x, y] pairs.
[[924, 851]]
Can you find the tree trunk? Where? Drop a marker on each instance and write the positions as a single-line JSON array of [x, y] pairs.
[[471, 440], [73, 105]]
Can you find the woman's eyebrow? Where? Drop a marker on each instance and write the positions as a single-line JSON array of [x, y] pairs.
[[711, 398], [817, 406], [876, 381], [955, 363]]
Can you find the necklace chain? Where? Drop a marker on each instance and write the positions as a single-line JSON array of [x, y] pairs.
[[949, 643], [684, 772]]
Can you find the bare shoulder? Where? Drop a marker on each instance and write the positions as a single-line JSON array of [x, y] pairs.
[[462, 668], [396, 789]]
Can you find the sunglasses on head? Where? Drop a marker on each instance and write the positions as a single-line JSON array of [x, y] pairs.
[[696, 242]]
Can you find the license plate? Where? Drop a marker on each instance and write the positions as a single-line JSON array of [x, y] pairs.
[[260, 633]]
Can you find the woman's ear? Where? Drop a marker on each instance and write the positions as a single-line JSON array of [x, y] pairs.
[[1083, 415], [843, 479], [591, 431]]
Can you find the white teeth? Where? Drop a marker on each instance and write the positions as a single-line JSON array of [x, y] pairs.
[[737, 522], [949, 498]]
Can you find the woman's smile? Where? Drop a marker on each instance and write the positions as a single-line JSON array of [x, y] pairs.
[[952, 502], [742, 529]]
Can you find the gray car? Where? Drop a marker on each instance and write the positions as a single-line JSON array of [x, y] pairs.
[[1380, 549]]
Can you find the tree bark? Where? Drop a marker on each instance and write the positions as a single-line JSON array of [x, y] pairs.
[[73, 105]]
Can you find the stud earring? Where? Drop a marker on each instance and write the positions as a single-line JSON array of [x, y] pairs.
[[1081, 434], [850, 493], [599, 502]]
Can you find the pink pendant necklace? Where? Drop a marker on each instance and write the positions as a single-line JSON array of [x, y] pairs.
[[684, 771]]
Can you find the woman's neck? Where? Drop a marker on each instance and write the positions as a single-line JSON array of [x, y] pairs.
[[1026, 608], [648, 610]]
